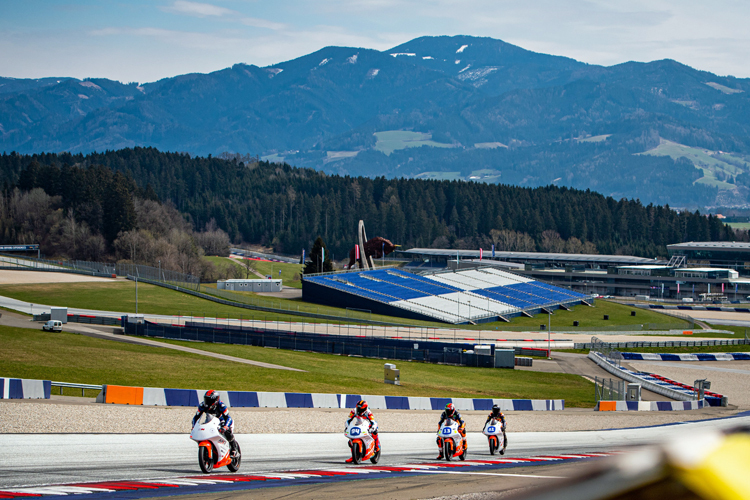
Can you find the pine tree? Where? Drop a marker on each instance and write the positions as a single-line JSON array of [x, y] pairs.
[[316, 253]]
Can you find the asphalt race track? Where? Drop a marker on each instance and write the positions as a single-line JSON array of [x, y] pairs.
[[38, 460]]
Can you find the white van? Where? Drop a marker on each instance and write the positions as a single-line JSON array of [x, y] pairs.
[[52, 325]]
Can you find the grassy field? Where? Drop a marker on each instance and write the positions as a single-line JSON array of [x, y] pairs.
[[710, 162], [69, 357], [120, 296], [288, 271], [593, 317], [739, 225], [391, 140]]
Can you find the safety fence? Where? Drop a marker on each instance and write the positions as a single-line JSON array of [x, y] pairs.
[[599, 344], [429, 352], [608, 389]]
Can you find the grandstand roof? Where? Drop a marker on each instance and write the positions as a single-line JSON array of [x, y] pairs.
[[726, 246], [526, 256]]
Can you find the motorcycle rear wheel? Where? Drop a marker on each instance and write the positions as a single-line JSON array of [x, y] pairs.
[[234, 465], [206, 463], [374, 459]]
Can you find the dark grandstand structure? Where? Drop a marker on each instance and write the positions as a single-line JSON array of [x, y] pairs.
[[463, 296]]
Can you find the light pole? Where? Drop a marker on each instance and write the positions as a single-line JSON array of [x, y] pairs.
[[159, 269], [136, 295], [549, 334]]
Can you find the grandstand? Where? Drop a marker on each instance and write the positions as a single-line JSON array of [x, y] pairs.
[[465, 296]]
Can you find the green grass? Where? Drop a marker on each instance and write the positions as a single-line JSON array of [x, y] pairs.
[[739, 225], [120, 296], [288, 271], [593, 317], [69, 357], [709, 162], [392, 140], [152, 299]]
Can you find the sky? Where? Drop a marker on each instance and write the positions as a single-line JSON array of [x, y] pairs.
[[143, 41]]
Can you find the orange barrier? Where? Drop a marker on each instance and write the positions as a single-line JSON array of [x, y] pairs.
[[123, 395], [607, 405], [687, 332]]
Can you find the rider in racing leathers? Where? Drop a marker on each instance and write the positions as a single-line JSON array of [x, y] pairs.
[[212, 405], [450, 412], [498, 415], [361, 410]]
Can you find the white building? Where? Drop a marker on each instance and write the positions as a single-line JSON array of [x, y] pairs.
[[259, 285]]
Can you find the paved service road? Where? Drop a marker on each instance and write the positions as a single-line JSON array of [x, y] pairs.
[[34, 460]]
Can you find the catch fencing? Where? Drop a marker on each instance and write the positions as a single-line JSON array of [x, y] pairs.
[[608, 389], [429, 352]]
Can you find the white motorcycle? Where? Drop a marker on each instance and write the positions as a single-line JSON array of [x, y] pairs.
[[496, 436], [361, 441], [453, 443], [213, 449]]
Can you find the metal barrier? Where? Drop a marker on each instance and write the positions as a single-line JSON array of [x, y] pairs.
[[83, 387], [670, 343], [429, 352]]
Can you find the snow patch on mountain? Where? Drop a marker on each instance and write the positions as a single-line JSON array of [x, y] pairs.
[[461, 49], [324, 62], [428, 57], [477, 73], [410, 54], [458, 61], [81, 96], [373, 73], [352, 59], [467, 67], [273, 71]]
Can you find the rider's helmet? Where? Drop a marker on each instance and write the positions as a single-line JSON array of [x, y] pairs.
[[211, 399], [450, 410], [495, 411], [361, 407]]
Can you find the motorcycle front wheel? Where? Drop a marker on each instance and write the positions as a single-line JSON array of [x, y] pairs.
[[234, 465], [374, 459], [356, 453], [448, 450], [206, 462], [493, 445]]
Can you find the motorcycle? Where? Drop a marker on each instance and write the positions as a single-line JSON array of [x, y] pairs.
[[454, 444], [213, 449], [496, 436], [361, 441]]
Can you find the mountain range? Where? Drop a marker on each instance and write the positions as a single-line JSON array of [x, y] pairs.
[[436, 107]]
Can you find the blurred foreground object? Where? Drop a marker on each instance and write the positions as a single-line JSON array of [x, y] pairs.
[[707, 465]]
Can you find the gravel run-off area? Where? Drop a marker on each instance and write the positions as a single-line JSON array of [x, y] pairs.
[[31, 277], [65, 414]]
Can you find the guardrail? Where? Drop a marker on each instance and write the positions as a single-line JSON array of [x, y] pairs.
[[83, 387], [670, 343]]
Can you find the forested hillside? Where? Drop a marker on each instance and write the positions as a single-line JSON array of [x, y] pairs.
[[287, 208], [456, 107]]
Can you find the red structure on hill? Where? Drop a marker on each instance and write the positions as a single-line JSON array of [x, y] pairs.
[[375, 248]]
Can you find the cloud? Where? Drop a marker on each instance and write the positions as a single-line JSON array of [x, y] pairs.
[[200, 9], [262, 23]]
